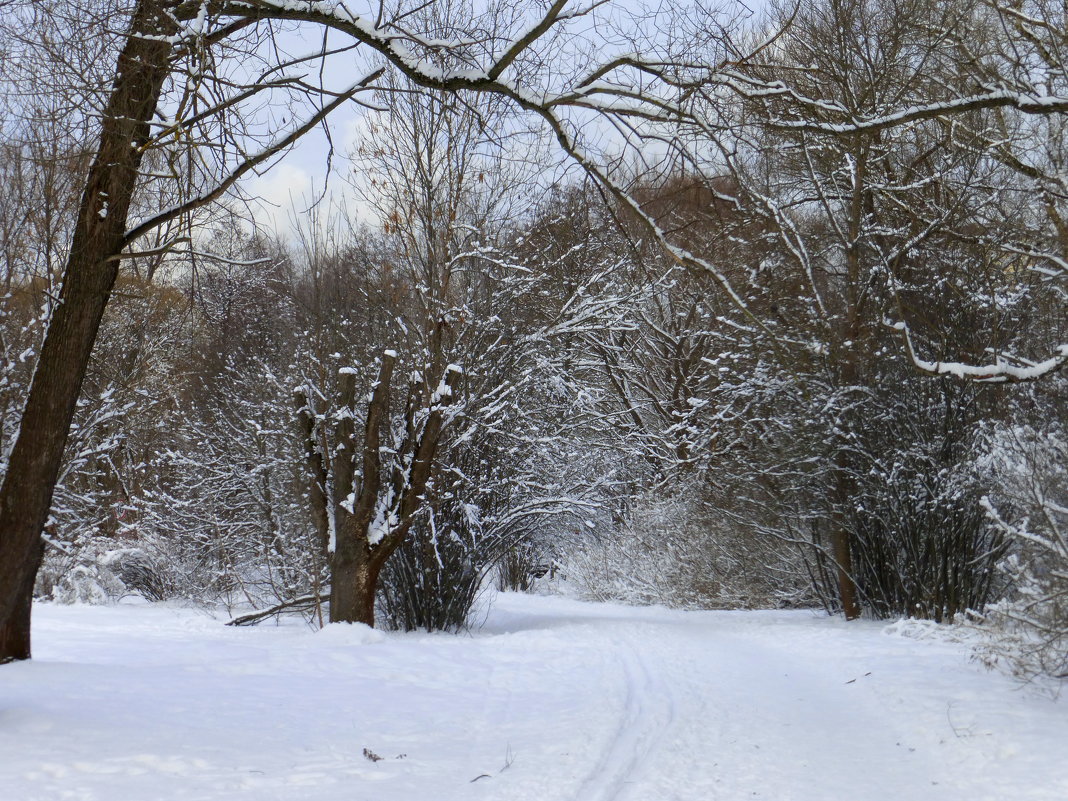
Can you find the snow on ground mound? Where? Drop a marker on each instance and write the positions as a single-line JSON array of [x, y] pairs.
[[552, 699], [348, 634]]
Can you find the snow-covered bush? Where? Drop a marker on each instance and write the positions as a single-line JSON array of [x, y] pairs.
[[227, 499], [518, 569], [100, 570], [1028, 627], [888, 468], [85, 585], [922, 546], [432, 581], [674, 551], [94, 505]]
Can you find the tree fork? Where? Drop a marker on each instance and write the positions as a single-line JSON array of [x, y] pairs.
[[353, 577], [88, 278], [356, 564]]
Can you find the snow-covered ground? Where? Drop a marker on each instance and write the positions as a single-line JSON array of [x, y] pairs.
[[552, 699]]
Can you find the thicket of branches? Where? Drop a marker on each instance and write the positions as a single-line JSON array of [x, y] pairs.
[[770, 315]]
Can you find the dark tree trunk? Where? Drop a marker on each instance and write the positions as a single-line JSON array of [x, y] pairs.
[[841, 532], [849, 377], [353, 572], [843, 558], [316, 467], [353, 584], [15, 627], [26, 493]]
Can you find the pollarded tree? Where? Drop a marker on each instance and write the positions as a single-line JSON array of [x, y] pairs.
[[362, 523], [452, 470]]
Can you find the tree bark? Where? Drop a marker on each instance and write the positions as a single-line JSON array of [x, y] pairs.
[[849, 377], [847, 586], [353, 583], [15, 627], [26, 493], [316, 467], [353, 572]]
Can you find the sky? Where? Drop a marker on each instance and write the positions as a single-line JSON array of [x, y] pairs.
[[306, 174]]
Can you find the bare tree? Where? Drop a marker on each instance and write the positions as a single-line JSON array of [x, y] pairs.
[[508, 54], [990, 77]]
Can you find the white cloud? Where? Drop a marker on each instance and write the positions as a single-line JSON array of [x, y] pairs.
[[280, 196]]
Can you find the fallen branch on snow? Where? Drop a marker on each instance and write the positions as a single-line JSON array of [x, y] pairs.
[[305, 603]]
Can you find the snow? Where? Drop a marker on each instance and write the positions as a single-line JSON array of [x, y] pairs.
[[1001, 371], [551, 699], [443, 390]]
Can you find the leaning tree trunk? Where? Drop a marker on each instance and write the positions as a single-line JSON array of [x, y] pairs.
[[26, 493]]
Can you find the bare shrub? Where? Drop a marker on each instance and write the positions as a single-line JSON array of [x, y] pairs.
[[1028, 628], [675, 551]]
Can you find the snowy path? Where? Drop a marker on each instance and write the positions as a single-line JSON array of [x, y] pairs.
[[552, 700]]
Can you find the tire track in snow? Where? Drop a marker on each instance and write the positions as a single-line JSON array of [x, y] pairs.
[[779, 721], [648, 712], [769, 722]]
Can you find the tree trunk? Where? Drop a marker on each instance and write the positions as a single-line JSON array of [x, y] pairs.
[[26, 493], [353, 582], [844, 490], [843, 558], [356, 563], [849, 377], [15, 627]]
